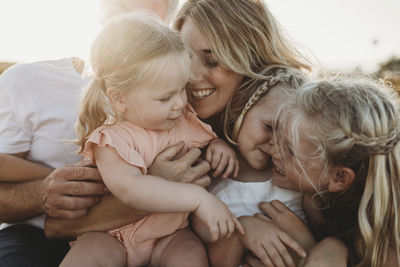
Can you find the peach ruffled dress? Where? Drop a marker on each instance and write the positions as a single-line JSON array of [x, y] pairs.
[[139, 147]]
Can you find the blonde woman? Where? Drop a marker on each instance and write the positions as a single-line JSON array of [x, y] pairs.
[[339, 143]]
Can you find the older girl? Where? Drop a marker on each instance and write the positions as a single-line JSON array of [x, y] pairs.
[[339, 142]]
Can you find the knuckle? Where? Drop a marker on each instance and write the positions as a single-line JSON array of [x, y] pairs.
[[77, 188], [79, 173]]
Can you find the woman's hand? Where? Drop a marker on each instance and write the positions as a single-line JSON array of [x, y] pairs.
[[222, 159], [268, 242], [220, 221], [182, 169]]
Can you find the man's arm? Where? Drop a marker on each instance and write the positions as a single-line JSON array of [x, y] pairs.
[[66, 192], [15, 169]]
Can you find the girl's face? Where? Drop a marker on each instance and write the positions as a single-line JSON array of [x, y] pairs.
[[212, 86], [157, 105], [255, 136], [292, 169]]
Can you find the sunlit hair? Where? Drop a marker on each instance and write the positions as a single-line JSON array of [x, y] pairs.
[[286, 78], [244, 37], [114, 8], [130, 51], [352, 123]]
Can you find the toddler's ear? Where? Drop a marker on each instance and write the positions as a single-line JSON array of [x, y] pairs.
[[342, 179], [117, 101]]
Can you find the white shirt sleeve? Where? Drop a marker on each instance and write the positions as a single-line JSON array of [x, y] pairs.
[[13, 137]]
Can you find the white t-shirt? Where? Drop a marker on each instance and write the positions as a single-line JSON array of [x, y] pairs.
[[38, 109], [242, 198]]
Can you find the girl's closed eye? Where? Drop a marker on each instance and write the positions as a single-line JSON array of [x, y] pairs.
[[268, 126], [166, 98]]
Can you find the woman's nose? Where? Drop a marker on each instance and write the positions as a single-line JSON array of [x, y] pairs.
[[198, 70]]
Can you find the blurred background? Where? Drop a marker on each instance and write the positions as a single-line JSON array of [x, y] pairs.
[[351, 36]]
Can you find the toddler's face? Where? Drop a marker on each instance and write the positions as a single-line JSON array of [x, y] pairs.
[[256, 133], [158, 104]]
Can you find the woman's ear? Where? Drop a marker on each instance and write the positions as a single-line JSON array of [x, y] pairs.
[[342, 179], [117, 101]]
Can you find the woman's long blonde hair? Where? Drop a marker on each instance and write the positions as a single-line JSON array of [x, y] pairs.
[[123, 56], [353, 123], [244, 37]]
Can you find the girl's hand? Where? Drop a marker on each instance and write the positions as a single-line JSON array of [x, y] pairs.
[[288, 222], [268, 242], [220, 221], [222, 157]]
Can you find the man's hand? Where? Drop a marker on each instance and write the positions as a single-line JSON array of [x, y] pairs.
[[182, 169], [68, 192]]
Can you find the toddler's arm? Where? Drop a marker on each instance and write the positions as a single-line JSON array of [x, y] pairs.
[[154, 194], [222, 157]]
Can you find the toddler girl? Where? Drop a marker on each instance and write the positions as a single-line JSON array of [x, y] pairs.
[[135, 108]]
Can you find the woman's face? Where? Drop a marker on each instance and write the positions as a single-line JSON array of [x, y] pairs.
[[256, 133], [212, 86]]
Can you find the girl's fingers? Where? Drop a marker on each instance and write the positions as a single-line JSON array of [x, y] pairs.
[[208, 155], [231, 166], [221, 166], [253, 262], [238, 225], [216, 158], [262, 217], [284, 254], [269, 210], [236, 172], [278, 205], [274, 256], [223, 229], [290, 242]]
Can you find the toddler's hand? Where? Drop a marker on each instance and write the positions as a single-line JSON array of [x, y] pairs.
[[218, 218], [222, 157]]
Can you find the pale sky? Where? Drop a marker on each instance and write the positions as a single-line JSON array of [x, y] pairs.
[[342, 34]]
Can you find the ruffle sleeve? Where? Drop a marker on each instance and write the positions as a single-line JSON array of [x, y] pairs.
[[117, 138], [201, 132]]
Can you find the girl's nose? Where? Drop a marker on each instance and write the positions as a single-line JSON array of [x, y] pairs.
[[180, 101]]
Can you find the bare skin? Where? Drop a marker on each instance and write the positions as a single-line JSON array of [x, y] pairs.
[[112, 214]]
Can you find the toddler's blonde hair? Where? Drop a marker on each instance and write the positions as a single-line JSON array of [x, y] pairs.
[[353, 123], [124, 55]]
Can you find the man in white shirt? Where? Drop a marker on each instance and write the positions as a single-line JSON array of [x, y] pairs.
[[38, 107]]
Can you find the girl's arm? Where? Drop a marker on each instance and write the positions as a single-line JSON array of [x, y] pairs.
[[145, 192], [110, 213], [155, 194]]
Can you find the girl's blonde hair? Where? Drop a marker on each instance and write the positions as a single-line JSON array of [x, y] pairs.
[[282, 76], [353, 123], [124, 55], [244, 37]]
